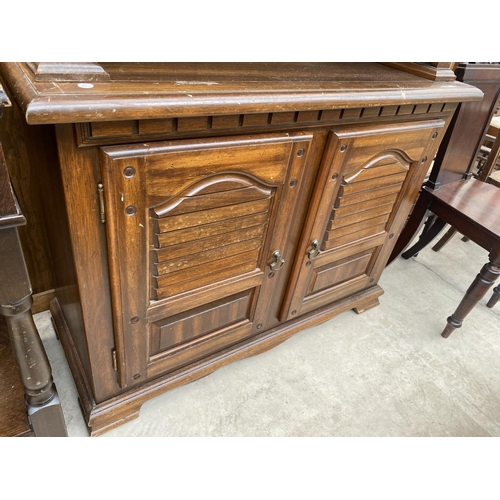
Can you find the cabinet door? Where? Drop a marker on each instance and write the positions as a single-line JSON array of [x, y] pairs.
[[196, 230], [368, 180]]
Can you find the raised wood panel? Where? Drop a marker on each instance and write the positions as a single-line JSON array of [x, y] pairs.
[[198, 323], [179, 358], [334, 293], [340, 271], [343, 251]]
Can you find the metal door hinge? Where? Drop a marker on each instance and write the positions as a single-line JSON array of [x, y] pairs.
[[115, 361], [102, 207]]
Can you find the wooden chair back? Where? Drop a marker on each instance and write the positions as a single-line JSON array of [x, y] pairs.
[[466, 133]]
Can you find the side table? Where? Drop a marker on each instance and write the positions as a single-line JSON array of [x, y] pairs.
[[42, 402]]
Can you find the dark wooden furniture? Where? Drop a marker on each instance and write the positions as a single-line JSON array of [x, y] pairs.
[[453, 196], [489, 171], [483, 168], [468, 205], [457, 154], [201, 213], [24, 347], [13, 415], [23, 145]]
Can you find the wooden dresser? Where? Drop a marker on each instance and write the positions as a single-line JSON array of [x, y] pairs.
[[200, 213]]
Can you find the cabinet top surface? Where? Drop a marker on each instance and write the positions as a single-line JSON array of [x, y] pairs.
[[85, 92]]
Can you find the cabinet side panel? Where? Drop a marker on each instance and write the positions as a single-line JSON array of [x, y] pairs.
[[85, 293], [63, 268]]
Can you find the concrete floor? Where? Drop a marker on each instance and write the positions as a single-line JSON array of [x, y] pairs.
[[387, 372]]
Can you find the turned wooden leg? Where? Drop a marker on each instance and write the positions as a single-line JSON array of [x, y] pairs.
[[495, 297], [44, 411], [43, 407], [483, 282], [41, 397], [30, 354]]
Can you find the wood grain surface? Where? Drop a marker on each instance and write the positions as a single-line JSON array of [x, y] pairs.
[[13, 413]]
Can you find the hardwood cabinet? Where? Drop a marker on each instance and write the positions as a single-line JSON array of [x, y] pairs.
[[200, 214]]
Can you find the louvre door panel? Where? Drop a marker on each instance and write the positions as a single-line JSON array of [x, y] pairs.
[[368, 175], [192, 230]]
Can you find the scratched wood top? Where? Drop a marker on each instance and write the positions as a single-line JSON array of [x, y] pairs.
[[126, 91]]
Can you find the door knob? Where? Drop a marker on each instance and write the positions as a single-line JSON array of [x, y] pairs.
[[315, 251], [278, 261]]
